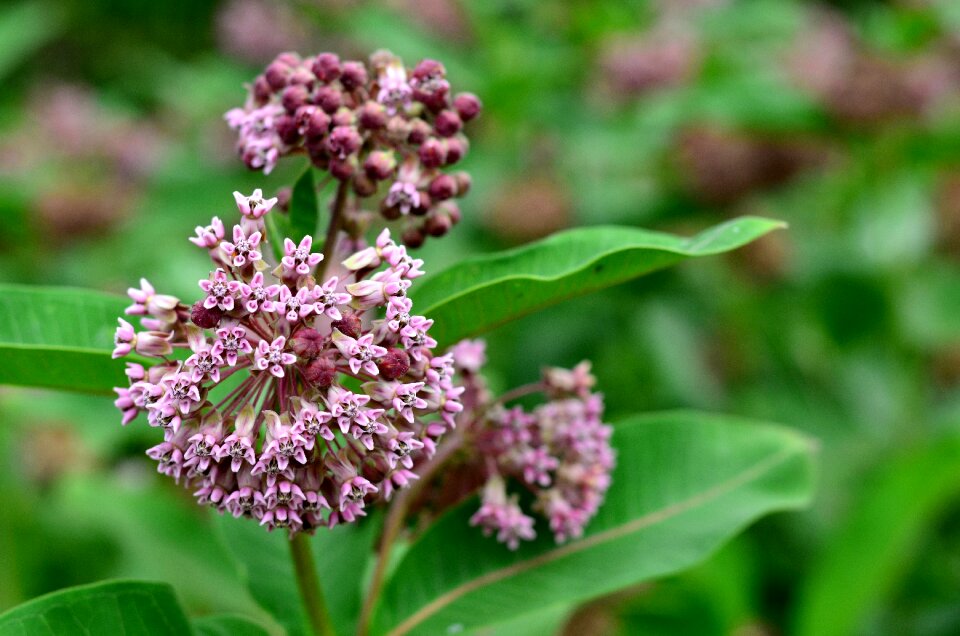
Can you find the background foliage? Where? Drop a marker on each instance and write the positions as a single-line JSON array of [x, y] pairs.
[[839, 118]]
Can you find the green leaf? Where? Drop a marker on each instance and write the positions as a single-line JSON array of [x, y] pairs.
[[59, 338], [116, 607], [685, 482], [303, 206], [24, 28], [481, 293], [341, 556], [278, 228], [227, 625], [871, 550]]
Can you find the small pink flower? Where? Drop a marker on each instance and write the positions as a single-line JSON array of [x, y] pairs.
[[231, 342], [146, 302], [124, 339], [360, 353], [255, 295], [292, 306], [298, 259], [221, 292], [404, 196], [253, 206], [243, 249], [209, 236], [328, 298], [205, 363], [272, 356]]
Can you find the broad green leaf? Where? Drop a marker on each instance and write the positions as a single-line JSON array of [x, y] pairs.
[[227, 625], [303, 206], [341, 555], [481, 293], [59, 338], [685, 482], [872, 548], [278, 228], [132, 608], [25, 27]]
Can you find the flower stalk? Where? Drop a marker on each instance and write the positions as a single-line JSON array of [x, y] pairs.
[[309, 585]]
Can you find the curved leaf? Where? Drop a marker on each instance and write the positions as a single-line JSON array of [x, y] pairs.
[[872, 548], [227, 625], [115, 607], [59, 338], [481, 293], [303, 206], [684, 483]]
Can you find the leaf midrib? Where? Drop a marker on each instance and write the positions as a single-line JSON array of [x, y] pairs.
[[647, 520]]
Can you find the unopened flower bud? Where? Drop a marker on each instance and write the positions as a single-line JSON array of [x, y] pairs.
[[153, 343], [283, 198], [456, 149], [349, 325], [395, 364], [287, 129], [261, 90], [463, 182], [343, 169], [307, 343], [373, 115], [380, 165], [301, 77], [294, 97], [203, 317], [343, 141], [321, 372], [364, 186], [444, 186], [353, 75], [468, 106], [447, 123], [419, 132], [328, 98], [432, 153], [344, 117], [277, 74], [326, 67], [437, 224], [414, 237]]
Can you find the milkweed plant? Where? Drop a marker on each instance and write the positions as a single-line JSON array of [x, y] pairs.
[[315, 383]]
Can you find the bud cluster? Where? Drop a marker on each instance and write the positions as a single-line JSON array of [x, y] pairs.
[[559, 452], [388, 131], [296, 402]]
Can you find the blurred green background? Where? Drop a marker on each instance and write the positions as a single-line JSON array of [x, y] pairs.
[[841, 118]]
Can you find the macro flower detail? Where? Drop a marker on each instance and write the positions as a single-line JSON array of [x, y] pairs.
[[256, 416], [389, 132]]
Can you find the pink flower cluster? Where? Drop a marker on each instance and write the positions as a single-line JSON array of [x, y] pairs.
[[560, 452], [386, 130], [303, 394]]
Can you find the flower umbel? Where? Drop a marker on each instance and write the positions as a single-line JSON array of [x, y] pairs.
[[297, 402]]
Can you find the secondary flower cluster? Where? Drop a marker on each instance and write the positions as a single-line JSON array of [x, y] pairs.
[[386, 130], [560, 451], [296, 402]]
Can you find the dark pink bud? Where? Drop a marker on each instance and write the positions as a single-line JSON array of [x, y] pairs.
[[428, 70], [344, 117], [463, 183], [283, 198], [456, 149], [373, 115], [380, 165], [395, 364], [414, 237], [320, 372], [294, 97], [447, 123], [328, 98], [287, 129], [353, 75], [276, 74], [307, 343], [326, 67], [452, 210], [262, 91], [432, 153], [343, 169], [203, 317], [443, 187], [289, 58], [343, 141], [301, 76], [425, 203], [390, 212], [349, 325], [468, 106], [317, 124], [437, 224], [419, 132]]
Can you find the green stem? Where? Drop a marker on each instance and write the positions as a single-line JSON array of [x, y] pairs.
[[336, 222], [309, 586]]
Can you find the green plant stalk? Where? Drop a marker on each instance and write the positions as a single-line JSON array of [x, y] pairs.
[[336, 221], [309, 586]]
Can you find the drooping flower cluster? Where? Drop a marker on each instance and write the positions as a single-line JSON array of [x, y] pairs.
[[296, 401], [560, 451], [386, 130]]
